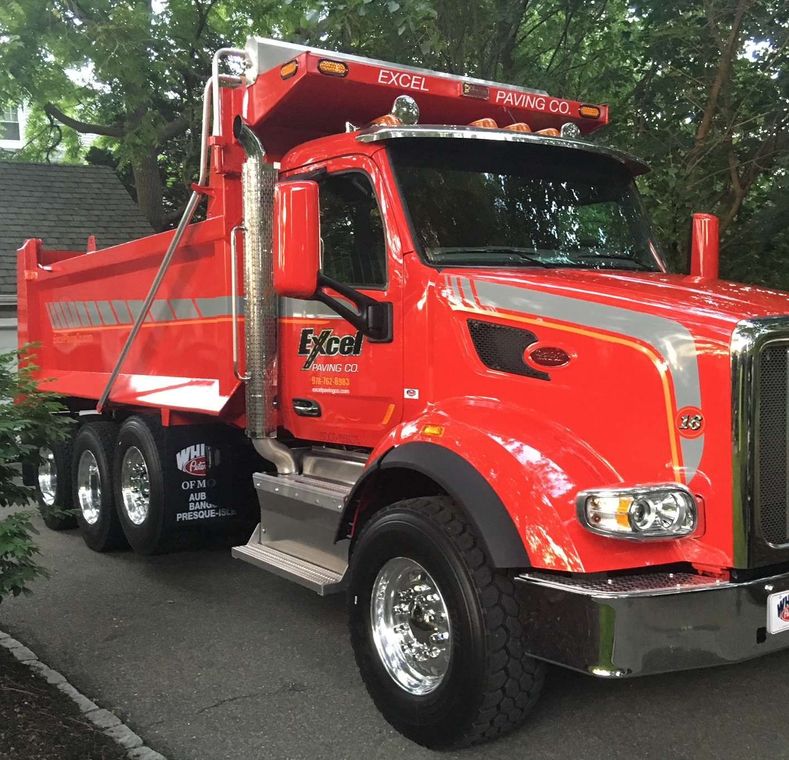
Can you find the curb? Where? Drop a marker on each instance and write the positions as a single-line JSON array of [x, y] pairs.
[[108, 723]]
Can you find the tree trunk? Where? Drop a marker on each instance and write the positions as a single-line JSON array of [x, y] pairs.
[[148, 183]]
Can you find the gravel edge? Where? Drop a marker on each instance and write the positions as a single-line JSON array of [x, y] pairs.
[[108, 723]]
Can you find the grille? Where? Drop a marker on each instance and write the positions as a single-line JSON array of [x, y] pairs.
[[500, 347], [772, 440]]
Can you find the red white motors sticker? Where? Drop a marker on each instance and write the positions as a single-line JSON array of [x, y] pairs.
[[197, 459], [778, 612]]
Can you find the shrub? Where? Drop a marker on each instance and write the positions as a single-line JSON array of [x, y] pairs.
[[29, 418]]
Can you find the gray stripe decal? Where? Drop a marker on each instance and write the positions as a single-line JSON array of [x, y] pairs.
[[135, 307], [184, 308], [122, 310], [93, 313], [669, 338], [107, 315], [297, 307], [51, 311], [68, 316], [160, 311], [218, 307], [83, 313], [465, 286]]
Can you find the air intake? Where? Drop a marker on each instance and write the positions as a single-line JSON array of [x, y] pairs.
[[502, 348]]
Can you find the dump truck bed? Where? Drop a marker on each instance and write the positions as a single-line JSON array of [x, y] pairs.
[[79, 308]]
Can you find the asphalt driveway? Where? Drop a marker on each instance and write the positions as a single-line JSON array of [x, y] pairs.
[[211, 659]]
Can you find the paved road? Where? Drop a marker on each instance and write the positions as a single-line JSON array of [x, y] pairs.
[[211, 659]]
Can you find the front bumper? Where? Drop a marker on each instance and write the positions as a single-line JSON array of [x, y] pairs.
[[648, 623]]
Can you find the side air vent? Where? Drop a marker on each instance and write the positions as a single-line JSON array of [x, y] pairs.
[[502, 348]]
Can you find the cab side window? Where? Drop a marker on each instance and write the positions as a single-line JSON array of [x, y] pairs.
[[354, 244]]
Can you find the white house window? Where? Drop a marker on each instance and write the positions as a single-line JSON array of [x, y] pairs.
[[9, 124]]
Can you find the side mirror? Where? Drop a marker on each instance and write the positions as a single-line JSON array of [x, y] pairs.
[[297, 239], [704, 251]]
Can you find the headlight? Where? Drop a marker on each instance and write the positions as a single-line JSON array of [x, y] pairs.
[[662, 511]]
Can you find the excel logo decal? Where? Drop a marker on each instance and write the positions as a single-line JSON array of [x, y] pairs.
[[325, 343]]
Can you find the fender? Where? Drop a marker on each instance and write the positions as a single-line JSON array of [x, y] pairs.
[[533, 466], [466, 486]]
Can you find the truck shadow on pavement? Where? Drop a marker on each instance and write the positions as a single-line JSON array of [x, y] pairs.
[[209, 658]]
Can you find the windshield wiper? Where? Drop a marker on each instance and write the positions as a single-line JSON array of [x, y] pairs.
[[640, 265], [471, 255]]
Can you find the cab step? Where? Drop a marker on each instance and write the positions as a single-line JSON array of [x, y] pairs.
[[314, 577]]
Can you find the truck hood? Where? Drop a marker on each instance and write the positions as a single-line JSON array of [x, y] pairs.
[[717, 305]]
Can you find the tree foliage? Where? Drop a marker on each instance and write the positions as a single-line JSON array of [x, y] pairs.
[[29, 417], [699, 88]]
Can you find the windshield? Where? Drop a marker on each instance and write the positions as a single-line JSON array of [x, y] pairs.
[[478, 203]]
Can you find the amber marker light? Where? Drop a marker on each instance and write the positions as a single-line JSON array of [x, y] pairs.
[[548, 132], [288, 69], [332, 68], [485, 123], [435, 431], [518, 126], [589, 112]]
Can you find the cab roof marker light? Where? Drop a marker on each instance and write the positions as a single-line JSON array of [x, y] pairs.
[[518, 126], [548, 132], [484, 123]]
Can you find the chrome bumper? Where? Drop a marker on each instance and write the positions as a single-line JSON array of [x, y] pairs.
[[650, 623]]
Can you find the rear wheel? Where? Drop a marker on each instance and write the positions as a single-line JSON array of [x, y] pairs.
[[92, 488], [53, 481], [139, 486], [436, 630]]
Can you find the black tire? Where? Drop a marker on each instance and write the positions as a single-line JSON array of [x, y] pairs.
[[57, 509], [102, 533], [150, 536], [490, 684]]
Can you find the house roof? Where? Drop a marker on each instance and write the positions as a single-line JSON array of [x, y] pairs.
[[61, 204]]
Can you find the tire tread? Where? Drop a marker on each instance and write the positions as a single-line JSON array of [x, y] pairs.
[[513, 679]]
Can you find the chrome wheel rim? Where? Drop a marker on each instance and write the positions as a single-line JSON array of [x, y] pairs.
[[47, 476], [411, 626], [89, 487], [135, 485]]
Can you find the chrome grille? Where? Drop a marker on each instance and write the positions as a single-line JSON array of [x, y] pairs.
[[771, 442], [760, 417]]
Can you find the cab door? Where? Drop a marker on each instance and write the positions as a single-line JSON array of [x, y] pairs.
[[336, 385]]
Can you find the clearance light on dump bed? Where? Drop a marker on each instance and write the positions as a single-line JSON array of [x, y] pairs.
[[332, 68], [663, 511], [288, 69], [589, 112]]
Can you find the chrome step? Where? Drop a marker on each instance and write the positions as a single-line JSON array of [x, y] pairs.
[[314, 577]]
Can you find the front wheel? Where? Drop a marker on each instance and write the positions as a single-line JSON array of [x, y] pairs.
[[436, 630]]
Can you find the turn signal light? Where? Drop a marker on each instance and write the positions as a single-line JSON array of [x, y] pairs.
[[332, 68], [485, 123], [518, 126], [589, 112], [288, 69]]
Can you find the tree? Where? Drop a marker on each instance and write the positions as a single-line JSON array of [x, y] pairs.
[[128, 71], [29, 418]]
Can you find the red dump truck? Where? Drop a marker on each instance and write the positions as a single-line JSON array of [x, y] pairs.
[[425, 349]]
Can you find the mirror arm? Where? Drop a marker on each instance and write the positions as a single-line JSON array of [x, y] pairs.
[[373, 318]]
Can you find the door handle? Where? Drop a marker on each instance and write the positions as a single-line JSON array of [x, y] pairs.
[[306, 407]]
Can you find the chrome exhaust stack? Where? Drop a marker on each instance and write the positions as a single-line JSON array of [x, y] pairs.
[[258, 178]]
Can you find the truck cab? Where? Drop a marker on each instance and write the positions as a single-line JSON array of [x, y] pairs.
[[426, 347]]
